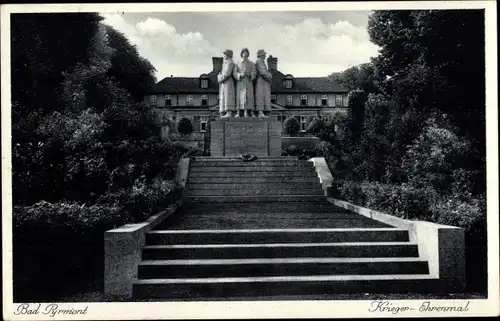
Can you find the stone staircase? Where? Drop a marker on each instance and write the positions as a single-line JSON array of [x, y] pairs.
[[264, 229]]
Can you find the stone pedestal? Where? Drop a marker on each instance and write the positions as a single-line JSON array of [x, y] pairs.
[[235, 136]]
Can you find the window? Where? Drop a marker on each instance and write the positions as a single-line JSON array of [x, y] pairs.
[[168, 100], [338, 100], [203, 123], [303, 100], [204, 83], [204, 100], [335, 128], [289, 100], [189, 99], [288, 83], [346, 102], [325, 118], [273, 99], [324, 100], [303, 123], [152, 100]]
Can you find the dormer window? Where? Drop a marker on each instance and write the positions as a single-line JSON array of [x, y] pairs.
[[168, 100], [204, 100], [273, 99], [324, 100], [204, 81], [303, 100], [288, 83]]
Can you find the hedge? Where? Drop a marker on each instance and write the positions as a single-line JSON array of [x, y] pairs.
[[59, 247], [426, 204]]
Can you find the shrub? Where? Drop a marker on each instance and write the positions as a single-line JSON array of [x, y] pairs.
[[316, 126], [325, 149], [291, 126], [185, 127], [292, 150], [52, 240], [435, 158]]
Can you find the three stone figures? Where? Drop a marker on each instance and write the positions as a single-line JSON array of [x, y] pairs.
[[244, 87]]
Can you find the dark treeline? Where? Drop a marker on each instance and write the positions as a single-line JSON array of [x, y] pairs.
[[414, 137], [87, 152]]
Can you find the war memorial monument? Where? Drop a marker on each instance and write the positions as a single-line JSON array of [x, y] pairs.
[[266, 226]]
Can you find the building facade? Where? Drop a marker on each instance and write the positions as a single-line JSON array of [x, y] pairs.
[[196, 98]]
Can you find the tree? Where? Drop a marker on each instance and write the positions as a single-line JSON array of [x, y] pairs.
[[360, 77], [355, 118], [131, 71], [185, 127], [291, 126], [434, 59]]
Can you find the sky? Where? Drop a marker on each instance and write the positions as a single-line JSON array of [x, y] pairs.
[[306, 43]]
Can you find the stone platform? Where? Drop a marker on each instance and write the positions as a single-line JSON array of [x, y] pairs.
[[235, 136]]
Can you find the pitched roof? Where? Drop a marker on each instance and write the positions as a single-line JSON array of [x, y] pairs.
[[301, 84]]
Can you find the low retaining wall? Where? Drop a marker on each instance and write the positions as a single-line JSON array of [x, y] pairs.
[[442, 246], [302, 143], [324, 174], [123, 246]]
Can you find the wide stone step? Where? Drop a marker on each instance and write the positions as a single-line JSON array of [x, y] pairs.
[[223, 169], [237, 159], [256, 199], [257, 163], [207, 288], [257, 208], [279, 266], [251, 185], [252, 180], [254, 192], [254, 174], [279, 250], [260, 236]]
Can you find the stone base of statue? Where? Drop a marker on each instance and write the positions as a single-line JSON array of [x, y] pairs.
[[236, 136]]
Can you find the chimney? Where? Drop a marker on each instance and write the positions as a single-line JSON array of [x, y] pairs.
[[217, 62], [272, 63]]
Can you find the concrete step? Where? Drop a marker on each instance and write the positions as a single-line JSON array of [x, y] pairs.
[[207, 288], [251, 185], [235, 158], [196, 179], [257, 163], [213, 268], [279, 250], [254, 174], [260, 236], [254, 192], [253, 222], [255, 199], [224, 169], [313, 207]]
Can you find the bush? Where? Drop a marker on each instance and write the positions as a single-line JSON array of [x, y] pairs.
[[316, 126], [54, 240], [291, 126], [185, 127], [433, 157]]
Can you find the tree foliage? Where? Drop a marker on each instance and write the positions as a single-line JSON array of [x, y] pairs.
[[77, 119], [291, 126]]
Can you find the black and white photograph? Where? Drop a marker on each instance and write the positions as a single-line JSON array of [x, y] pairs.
[[262, 160]]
